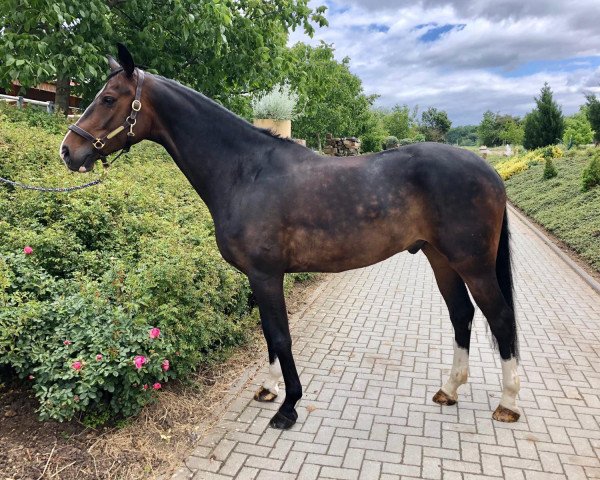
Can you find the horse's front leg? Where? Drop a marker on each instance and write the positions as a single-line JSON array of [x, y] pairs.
[[269, 390], [268, 291]]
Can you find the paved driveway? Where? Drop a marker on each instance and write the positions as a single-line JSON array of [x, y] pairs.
[[374, 346]]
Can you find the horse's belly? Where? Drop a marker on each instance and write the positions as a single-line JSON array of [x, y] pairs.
[[319, 251]]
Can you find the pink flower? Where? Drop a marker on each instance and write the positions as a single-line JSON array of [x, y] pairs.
[[145, 387], [76, 398], [28, 250], [67, 342], [99, 357], [154, 332], [139, 361], [30, 377], [157, 386], [77, 365], [166, 365]]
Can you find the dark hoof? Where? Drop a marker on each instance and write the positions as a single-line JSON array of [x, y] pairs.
[[281, 422], [264, 395], [441, 398], [503, 414]]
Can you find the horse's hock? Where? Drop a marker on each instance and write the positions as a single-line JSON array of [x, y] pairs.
[[341, 147]]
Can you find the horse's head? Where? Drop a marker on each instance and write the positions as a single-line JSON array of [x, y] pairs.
[[113, 121]]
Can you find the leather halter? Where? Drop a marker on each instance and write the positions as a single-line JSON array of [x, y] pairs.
[[130, 121]]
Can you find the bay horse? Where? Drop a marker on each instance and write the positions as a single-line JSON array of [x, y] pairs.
[[278, 207]]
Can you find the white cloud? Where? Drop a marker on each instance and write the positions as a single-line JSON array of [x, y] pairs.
[[499, 60]]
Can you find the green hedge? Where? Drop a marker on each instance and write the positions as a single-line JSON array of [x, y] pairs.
[[108, 264]]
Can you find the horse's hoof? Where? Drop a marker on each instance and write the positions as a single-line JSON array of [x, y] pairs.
[[281, 422], [503, 414], [264, 395], [442, 398]]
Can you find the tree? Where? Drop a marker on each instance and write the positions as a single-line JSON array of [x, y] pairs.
[[224, 48], [545, 124], [488, 130], [578, 130], [464, 136], [398, 121], [496, 129], [374, 138], [331, 97], [511, 131], [593, 115], [46, 41], [435, 124]]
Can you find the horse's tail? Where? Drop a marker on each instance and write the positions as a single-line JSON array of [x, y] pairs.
[[505, 279]]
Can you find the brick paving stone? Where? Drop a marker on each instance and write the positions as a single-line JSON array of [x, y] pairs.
[[374, 345]]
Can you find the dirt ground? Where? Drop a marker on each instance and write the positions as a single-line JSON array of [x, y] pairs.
[[150, 446]]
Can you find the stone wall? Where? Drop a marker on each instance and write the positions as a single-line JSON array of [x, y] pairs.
[[341, 147]]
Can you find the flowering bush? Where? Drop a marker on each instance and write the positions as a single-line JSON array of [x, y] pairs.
[[520, 163], [127, 269], [69, 376]]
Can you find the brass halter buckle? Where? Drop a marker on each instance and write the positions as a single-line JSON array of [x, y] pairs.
[[136, 105], [99, 144]]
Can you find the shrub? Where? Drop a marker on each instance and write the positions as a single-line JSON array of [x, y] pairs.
[[520, 163], [416, 139], [108, 264], [591, 174], [549, 169], [390, 142], [279, 104]]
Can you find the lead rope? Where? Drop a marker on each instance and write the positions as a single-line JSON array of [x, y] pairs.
[[105, 164]]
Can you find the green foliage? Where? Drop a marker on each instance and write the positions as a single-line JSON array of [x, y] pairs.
[[464, 136], [591, 174], [419, 137], [108, 264], [593, 114], [569, 213], [496, 129], [549, 169], [331, 97], [545, 124], [223, 48], [391, 142], [398, 121], [42, 40], [374, 138], [578, 130], [35, 117], [435, 124], [280, 103]]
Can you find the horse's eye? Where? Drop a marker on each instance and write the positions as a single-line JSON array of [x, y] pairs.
[[108, 100]]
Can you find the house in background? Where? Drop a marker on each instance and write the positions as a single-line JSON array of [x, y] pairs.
[[44, 92]]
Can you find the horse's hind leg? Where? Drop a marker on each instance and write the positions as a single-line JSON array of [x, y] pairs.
[[461, 311], [483, 284], [270, 387]]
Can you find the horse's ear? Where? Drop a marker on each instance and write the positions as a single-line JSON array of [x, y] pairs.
[[125, 59], [112, 63]]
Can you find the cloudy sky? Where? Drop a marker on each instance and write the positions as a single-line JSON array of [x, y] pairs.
[[468, 56]]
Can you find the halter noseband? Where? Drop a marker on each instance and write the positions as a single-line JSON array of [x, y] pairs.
[[130, 121]]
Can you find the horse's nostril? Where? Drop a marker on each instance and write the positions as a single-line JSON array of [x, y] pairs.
[[65, 153]]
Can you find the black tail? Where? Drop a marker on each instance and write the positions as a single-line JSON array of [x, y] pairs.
[[504, 275]]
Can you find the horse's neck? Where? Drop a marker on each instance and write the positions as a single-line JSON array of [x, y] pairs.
[[211, 145]]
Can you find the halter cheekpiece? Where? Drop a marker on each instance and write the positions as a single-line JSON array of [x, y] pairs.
[[130, 121]]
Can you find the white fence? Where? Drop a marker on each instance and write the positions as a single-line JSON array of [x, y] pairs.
[[21, 100]]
